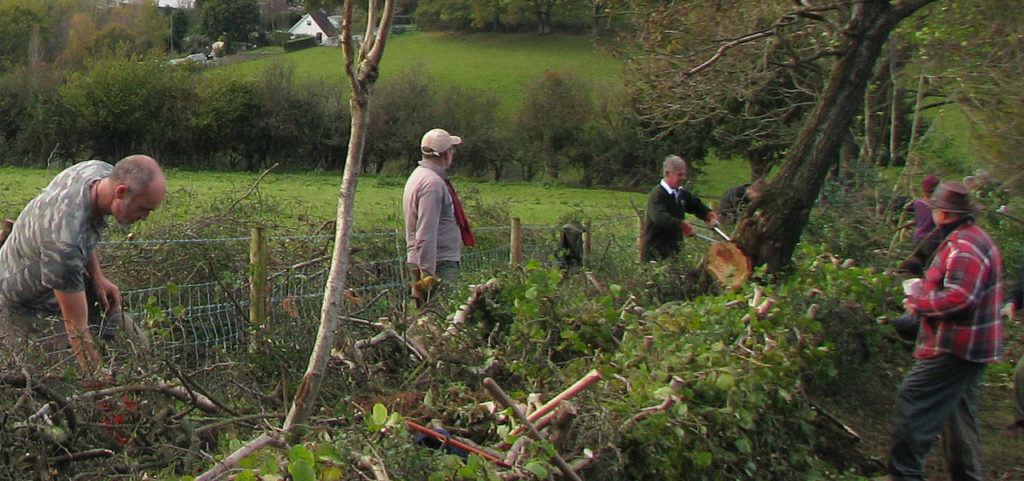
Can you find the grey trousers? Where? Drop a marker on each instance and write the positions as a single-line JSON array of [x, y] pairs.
[[449, 271], [28, 339], [31, 340], [940, 395]]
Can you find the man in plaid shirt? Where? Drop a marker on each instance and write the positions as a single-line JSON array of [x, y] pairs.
[[960, 332]]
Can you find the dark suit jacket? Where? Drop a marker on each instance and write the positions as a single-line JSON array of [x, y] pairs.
[[661, 224], [733, 202]]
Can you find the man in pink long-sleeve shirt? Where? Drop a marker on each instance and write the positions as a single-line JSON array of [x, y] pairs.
[[433, 238]]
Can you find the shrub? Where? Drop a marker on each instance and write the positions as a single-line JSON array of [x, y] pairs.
[[118, 107], [550, 121], [300, 44]]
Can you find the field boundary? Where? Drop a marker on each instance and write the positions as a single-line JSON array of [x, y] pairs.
[[202, 322]]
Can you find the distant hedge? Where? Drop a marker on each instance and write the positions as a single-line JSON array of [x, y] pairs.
[[202, 119], [299, 44]]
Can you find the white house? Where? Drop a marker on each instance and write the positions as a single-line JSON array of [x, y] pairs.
[[176, 3], [316, 24]]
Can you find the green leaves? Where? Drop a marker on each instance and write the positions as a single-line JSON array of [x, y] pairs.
[[301, 464], [380, 420]]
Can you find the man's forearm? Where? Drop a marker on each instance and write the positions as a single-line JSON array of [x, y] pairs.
[[75, 312], [82, 345], [92, 266]]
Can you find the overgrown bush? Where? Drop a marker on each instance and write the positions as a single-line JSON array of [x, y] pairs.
[[551, 120], [121, 107], [719, 386]]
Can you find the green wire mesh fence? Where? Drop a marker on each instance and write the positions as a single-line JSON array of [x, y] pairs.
[[197, 301]]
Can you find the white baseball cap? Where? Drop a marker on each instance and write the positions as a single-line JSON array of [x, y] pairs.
[[438, 141]]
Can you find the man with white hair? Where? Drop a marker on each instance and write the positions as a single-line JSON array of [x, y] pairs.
[[667, 206], [435, 225]]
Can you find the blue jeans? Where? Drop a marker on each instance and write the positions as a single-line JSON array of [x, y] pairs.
[[940, 395]]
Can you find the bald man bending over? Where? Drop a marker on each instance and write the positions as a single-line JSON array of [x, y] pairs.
[[49, 260]]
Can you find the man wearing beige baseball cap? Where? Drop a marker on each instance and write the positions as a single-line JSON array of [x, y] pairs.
[[436, 227], [960, 332]]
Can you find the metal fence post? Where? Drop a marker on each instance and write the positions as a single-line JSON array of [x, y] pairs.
[[258, 288], [514, 249]]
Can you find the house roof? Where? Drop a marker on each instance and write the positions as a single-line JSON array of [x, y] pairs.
[[325, 25]]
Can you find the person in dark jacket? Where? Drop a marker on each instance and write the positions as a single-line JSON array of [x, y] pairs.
[[1014, 303], [667, 206], [736, 199]]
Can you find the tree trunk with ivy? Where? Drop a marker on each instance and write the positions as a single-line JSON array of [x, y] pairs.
[[770, 235]]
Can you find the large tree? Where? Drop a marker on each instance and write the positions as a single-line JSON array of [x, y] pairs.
[[750, 79], [235, 19], [838, 42], [551, 120], [770, 236]]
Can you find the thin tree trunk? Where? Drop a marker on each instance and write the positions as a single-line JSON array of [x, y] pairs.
[[362, 80], [894, 115], [869, 141], [770, 237], [307, 391]]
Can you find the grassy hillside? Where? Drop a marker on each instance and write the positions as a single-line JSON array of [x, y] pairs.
[[498, 62]]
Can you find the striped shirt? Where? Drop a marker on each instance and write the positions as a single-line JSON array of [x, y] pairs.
[[959, 305]]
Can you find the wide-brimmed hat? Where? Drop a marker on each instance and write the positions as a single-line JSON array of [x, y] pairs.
[[953, 197], [438, 141]]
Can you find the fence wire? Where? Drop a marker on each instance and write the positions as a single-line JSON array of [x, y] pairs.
[[197, 304]]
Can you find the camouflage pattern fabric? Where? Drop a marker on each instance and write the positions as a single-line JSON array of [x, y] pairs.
[[51, 242]]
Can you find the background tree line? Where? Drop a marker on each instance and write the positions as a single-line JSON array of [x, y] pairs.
[[79, 81], [187, 119]]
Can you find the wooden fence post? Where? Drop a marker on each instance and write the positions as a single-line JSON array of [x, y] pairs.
[[586, 243], [640, 234], [514, 251], [258, 289]]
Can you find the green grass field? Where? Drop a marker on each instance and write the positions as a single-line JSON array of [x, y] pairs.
[[496, 62], [314, 196]]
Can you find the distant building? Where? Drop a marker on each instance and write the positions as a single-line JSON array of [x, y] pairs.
[[316, 24], [175, 3]]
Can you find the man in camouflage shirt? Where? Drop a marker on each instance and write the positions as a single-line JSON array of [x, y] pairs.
[[49, 259]]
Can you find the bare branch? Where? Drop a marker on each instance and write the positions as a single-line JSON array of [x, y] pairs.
[[468, 307], [252, 188], [222, 467]]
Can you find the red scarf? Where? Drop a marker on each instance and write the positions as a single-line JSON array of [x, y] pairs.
[[460, 217]]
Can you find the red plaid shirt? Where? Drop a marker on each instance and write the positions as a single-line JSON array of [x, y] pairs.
[[959, 305]]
